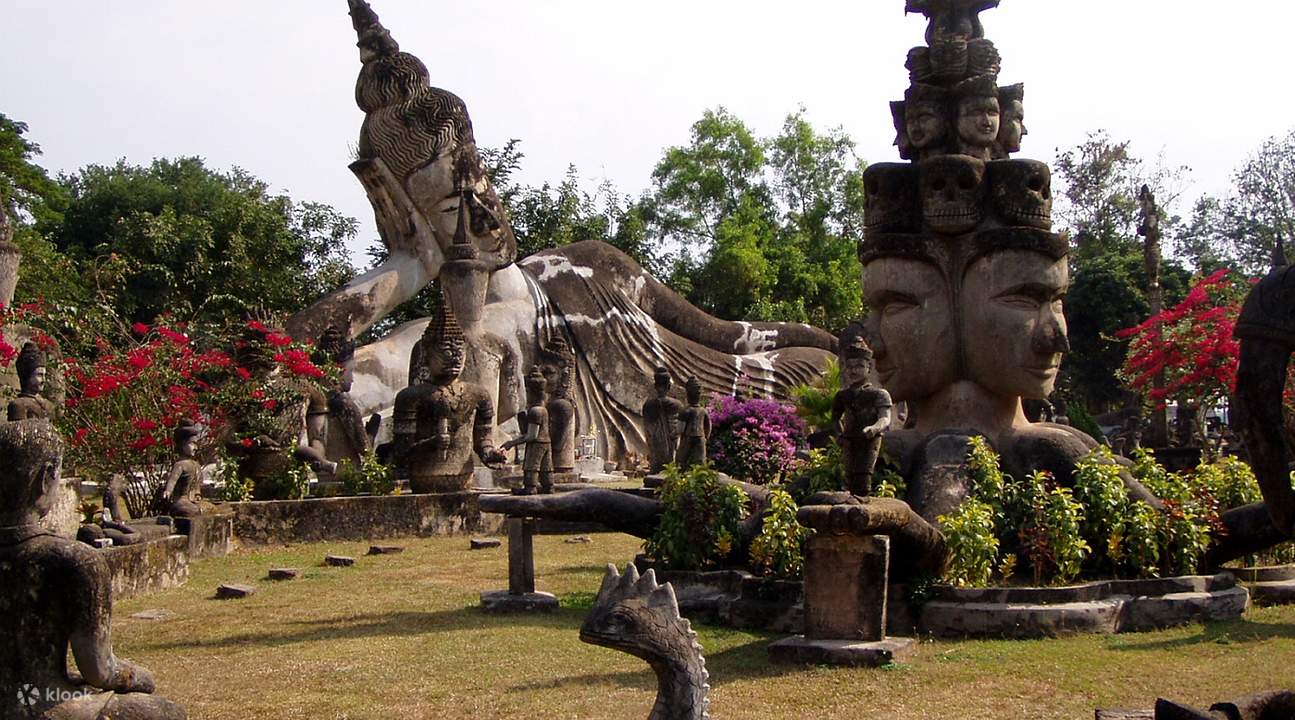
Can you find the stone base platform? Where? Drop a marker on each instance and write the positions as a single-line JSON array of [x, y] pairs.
[[282, 522], [147, 567], [800, 650], [502, 601], [1273, 585]]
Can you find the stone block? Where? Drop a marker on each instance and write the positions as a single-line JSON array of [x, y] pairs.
[[521, 555], [369, 518], [503, 601], [159, 564], [845, 587], [338, 561], [1273, 593], [284, 573], [1000, 620], [578, 540], [386, 549], [1126, 715], [210, 535], [484, 543], [232, 591], [1273, 573], [800, 650], [157, 615]]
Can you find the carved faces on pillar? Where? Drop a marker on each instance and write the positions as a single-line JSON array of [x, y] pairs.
[[924, 119], [978, 115], [910, 326], [952, 191], [1021, 193], [1011, 102], [1013, 329]]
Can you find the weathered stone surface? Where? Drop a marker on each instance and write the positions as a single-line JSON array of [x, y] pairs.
[[957, 620], [1151, 613], [234, 591], [210, 534], [845, 586], [1272, 593], [386, 549], [1274, 573], [521, 555], [1125, 715], [157, 615], [151, 566], [850, 653], [503, 601], [360, 518], [338, 561], [484, 543], [284, 573], [578, 540]]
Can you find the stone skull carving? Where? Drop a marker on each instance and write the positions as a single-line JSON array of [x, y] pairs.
[[952, 190], [891, 198], [1021, 192]]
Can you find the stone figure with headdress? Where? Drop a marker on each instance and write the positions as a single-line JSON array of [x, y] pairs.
[[537, 464], [694, 428], [31, 377], [861, 415]]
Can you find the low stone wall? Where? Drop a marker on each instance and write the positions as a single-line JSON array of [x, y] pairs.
[[1273, 585], [150, 566], [360, 518], [210, 535]]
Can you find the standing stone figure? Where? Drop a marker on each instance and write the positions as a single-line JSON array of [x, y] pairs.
[[694, 424], [558, 366], [441, 420], [861, 414], [538, 463], [345, 437], [180, 494], [56, 593], [660, 418], [31, 377]]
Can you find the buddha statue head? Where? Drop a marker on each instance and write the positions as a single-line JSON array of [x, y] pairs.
[[32, 451], [535, 384], [31, 369], [662, 382], [925, 118], [693, 390], [856, 362], [185, 438], [441, 353]]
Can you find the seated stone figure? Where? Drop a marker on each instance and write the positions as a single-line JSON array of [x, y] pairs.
[[441, 420], [31, 376], [181, 493], [56, 593]]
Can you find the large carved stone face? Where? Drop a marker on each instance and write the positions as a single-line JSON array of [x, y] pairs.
[[926, 125], [910, 326], [953, 190], [437, 195], [1013, 329], [1012, 126], [978, 120]]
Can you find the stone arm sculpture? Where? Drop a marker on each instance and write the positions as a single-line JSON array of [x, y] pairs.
[[883, 422], [91, 637], [168, 489], [532, 434], [483, 428]]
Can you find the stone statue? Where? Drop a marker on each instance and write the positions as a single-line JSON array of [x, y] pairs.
[[661, 422], [440, 419], [55, 594], [861, 413], [979, 116], [635, 615], [694, 429], [345, 436], [181, 495], [1011, 129], [31, 377], [537, 465], [558, 366], [441, 220], [112, 519]]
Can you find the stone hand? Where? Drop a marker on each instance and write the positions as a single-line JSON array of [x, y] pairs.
[[137, 678], [494, 457]]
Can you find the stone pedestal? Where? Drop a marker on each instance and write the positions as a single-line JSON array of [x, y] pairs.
[[520, 595], [846, 579]]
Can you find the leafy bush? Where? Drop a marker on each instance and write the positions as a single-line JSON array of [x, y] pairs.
[[824, 471], [780, 548], [290, 483], [235, 487], [700, 522], [1231, 481], [814, 401], [370, 477], [1049, 531], [755, 440], [973, 543]]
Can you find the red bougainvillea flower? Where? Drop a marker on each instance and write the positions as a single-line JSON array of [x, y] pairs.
[[139, 328], [270, 404], [178, 338], [258, 326], [244, 373], [145, 425], [143, 443], [278, 340], [247, 442], [80, 435]]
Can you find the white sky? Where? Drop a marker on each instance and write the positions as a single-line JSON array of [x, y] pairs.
[[607, 84]]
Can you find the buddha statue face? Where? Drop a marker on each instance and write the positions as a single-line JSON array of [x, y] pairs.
[[910, 327], [925, 123], [33, 454], [978, 120], [1013, 329], [439, 188], [34, 383]]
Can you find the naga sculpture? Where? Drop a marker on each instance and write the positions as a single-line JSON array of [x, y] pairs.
[[440, 219], [634, 614], [56, 593]]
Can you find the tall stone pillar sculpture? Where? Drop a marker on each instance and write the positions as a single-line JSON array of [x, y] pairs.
[[10, 258], [963, 276]]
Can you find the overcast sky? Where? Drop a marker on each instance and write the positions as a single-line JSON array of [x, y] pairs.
[[607, 84]]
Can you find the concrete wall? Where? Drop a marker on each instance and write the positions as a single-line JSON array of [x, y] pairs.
[[150, 566], [360, 518]]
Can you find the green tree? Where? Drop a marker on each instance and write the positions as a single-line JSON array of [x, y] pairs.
[[1097, 204], [176, 236]]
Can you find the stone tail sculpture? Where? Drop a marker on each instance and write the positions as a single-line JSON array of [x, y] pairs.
[[634, 614]]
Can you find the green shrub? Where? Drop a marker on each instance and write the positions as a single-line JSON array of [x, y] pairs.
[[1230, 480], [236, 488], [973, 543], [290, 483], [700, 522], [824, 471], [1049, 528], [1134, 545], [370, 477], [988, 482], [780, 548], [1101, 490], [814, 400]]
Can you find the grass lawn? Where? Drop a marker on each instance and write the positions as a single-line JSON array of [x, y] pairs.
[[400, 636]]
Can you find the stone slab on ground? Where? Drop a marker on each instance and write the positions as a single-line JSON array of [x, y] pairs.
[[284, 573], [849, 653], [1273, 593], [958, 620], [502, 601], [484, 543], [1126, 715], [156, 615], [234, 591], [360, 519], [338, 561], [386, 549], [578, 540], [1174, 609]]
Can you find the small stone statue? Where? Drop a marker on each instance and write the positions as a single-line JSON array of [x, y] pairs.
[[56, 593], [180, 494], [112, 523], [31, 377], [694, 423], [345, 436], [559, 372], [861, 413], [660, 418], [538, 463]]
